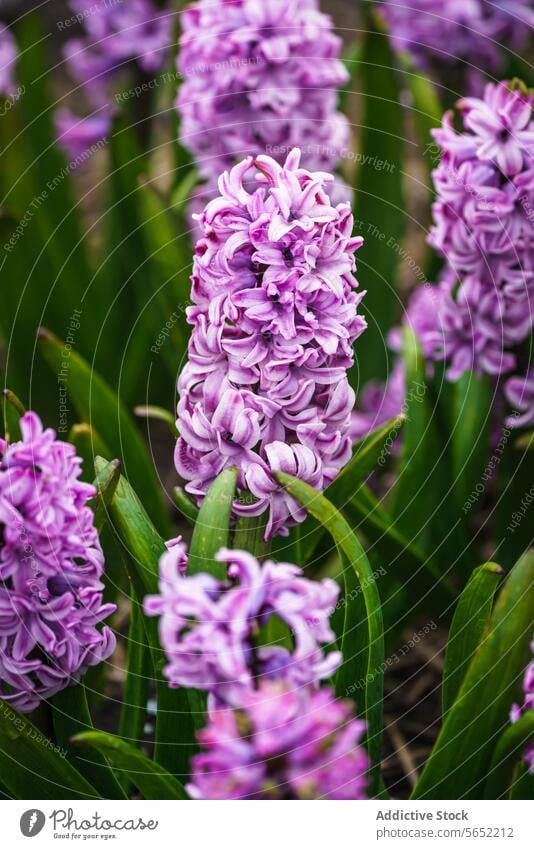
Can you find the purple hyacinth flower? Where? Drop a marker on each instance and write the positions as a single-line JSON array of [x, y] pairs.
[[210, 630], [260, 77], [520, 393], [8, 58], [118, 35], [51, 564], [484, 229], [274, 321], [517, 711], [281, 743], [440, 34], [78, 136]]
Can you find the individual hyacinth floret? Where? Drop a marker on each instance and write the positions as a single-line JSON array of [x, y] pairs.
[[274, 320], [281, 743], [51, 564], [210, 629], [260, 77], [517, 711]]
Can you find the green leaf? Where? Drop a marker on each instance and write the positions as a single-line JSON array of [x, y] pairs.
[[380, 197], [186, 507], [159, 414], [461, 757], [137, 686], [469, 623], [70, 715], [366, 455], [212, 526], [416, 494], [346, 539], [97, 404], [13, 410], [151, 779], [426, 109], [249, 535], [106, 483], [180, 711], [508, 753], [32, 766], [473, 406]]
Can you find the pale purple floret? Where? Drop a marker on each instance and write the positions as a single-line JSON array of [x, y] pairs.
[[79, 136], [8, 58], [274, 320], [520, 393], [210, 629], [51, 564], [517, 711], [440, 34], [260, 77], [281, 743]]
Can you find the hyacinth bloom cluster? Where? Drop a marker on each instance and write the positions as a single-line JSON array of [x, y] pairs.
[[484, 228], [442, 33], [51, 564], [209, 629], [271, 732], [8, 57], [517, 711], [118, 33], [260, 77], [274, 319], [281, 744]]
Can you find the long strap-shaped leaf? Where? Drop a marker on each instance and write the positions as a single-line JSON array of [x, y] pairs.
[[365, 457], [507, 755], [97, 404], [469, 622], [379, 192], [32, 766], [462, 754], [326, 513], [143, 546], [150, 778], [70, 715]]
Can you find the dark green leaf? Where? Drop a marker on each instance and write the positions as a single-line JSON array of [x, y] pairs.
[[70, 715], [461, 757], [99, 406], [380, 200], [32, 766], [473, 406], [469, 623], [346, 539], [151, 779], [508, 753], [416, 494], [179, 711]]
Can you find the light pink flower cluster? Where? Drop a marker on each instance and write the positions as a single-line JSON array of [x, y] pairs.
[[274, 320]]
